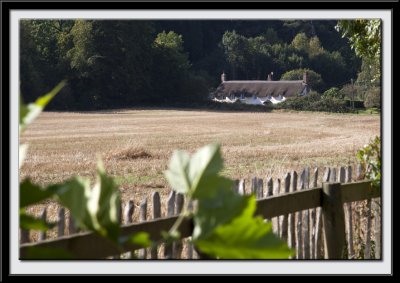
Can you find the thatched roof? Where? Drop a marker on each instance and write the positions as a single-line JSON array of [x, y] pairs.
[[260, 88]]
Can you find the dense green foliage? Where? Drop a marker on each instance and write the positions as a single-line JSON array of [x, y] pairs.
[[314, 79], [365, 37], [373, 98], [333, 92], [368, 84], [315, 102], [118, 63]]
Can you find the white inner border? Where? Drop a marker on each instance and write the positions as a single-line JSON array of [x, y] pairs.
[[201, 267]]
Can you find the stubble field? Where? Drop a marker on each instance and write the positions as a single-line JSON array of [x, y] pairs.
[[136, 145]]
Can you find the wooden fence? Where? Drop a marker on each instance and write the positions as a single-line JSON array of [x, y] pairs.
[[340, 219]]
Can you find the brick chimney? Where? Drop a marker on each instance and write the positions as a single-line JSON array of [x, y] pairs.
[[223, 77], [270, 76], [305, 77]]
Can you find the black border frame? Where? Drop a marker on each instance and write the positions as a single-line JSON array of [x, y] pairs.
[[7, 6]]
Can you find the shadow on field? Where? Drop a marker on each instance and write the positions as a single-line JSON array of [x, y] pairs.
[[209, 107]]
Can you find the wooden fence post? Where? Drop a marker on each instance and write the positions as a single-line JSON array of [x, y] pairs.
[[377, 224], [313, 212], [349, 218], [327, 174], [332, 178], [359, 172], [242, 187], [43, 216], [72, 229], [291, 219], [304, 185], [190, 250], [254, 185], [358, 217], [342, 180], [260, 188], [284, 224], [25, 236], [119, 213], [170, 212], [269, 189], [275, 220], [342, 175], [367, 252], [333, 221], [129, 210], [142, 253], [235, 187], [155, 197], [298, 222], [177, 245], [119, 217], [318, 221], [61, 222], [128, 218]]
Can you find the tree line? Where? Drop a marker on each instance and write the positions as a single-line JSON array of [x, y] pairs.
[[127, 63]]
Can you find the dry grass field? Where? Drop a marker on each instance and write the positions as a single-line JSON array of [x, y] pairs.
[[135, 145]]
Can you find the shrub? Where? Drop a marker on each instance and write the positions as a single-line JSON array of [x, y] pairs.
[[358, 104], [330, 104], [300, 102], [334, 93], [315, 102], [314, 79], [370, 158], [351, 91], [373, 98]]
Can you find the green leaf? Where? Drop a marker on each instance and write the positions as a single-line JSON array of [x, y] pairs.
[[244, 237], [207, 161], [44, 100], [105, 203], [142, 239], [47, 253], [220, 208], [186, 174], [209, 187], [170, 237], [94, 209], [74, 194], [30, 223], [29, 113], [177, 174], [31, 193]]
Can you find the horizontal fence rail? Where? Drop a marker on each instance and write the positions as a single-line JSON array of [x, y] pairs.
[[92, 246]]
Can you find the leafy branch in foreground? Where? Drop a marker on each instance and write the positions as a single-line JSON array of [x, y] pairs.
[[94, 209], [365, 36], [370, 158], [225, 225]]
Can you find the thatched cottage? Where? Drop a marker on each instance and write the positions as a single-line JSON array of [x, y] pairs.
[[257, 91]]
